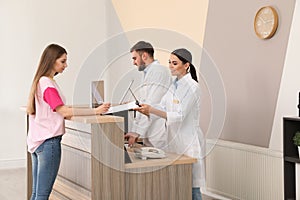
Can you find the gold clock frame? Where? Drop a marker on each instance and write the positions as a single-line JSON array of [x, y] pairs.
[[274, 27]]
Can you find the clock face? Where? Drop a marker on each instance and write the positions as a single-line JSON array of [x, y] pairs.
[[266, 22]]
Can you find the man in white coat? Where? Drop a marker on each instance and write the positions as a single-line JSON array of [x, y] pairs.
[[157, 79]]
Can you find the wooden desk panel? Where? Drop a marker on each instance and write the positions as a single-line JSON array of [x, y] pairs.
[[173, 182]]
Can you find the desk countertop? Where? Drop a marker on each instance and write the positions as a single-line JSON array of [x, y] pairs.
[[171, 159], [91, 119], [96, 119]]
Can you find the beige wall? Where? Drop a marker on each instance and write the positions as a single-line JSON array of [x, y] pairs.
[[251, 68], [186, 17], [173, 24]]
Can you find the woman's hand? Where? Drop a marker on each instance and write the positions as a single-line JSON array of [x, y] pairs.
[[102, 108], [144, 109]]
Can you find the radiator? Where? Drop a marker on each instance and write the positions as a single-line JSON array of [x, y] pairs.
[[246, 172]]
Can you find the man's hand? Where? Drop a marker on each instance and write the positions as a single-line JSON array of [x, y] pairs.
[[132, 138]]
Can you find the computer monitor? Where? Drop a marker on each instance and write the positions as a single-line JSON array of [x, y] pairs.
[[97, 92]]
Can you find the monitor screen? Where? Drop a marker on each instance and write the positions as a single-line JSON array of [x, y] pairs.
[[97, 91]]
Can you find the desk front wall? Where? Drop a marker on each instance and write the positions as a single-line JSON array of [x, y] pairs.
[[173, 182], [75, 167]]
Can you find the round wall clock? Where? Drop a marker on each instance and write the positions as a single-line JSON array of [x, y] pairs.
[[266, 22]]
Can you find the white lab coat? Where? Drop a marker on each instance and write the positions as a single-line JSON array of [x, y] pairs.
[[182, 106], [156, 82]]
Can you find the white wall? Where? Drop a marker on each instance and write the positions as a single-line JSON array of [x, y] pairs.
[[16, 70], [290, 83], [27, 27]]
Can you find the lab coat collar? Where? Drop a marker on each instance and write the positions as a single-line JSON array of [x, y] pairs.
[[148, 66], [182, 81]]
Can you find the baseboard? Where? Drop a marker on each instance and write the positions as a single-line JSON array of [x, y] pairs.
[[213, 195], [15, 163]]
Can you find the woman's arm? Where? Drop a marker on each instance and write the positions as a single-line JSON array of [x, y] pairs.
[[147, 109], [69, 111], [190, 100]]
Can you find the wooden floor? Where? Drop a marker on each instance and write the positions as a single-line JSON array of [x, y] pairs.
[[13, 185]]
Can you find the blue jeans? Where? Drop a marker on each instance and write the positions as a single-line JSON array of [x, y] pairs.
[[196, 193], [45, 165]]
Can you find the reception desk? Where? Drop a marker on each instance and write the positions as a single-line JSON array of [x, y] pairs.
[[93, 166]]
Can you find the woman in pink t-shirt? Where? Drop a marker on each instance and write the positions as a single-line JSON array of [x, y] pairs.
[[47, 110]]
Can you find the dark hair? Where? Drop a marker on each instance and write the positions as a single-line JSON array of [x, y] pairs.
[[191, 67], [193, 72], [47, 61], [143, 46]]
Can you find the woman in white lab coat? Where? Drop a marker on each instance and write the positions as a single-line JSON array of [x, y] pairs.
[[180, 106]]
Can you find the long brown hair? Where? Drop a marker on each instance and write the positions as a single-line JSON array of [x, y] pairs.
[[47, 61]]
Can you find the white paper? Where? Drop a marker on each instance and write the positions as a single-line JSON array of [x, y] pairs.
[[122, 107]]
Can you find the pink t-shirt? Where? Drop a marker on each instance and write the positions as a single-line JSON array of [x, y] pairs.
[[46, 123]]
